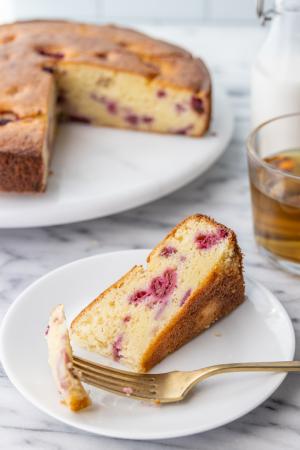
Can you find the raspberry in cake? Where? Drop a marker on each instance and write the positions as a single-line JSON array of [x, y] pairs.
[[193, 278]]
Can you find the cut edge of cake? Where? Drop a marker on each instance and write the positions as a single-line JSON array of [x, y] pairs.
[[129, 100], [219, 293]]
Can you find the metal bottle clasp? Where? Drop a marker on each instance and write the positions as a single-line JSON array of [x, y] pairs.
[[264, 16]]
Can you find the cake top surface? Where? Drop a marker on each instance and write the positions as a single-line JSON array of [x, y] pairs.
[[29, 49]]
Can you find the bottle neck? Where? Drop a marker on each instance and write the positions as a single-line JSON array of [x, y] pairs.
[[280, 53], [286, 24], [283, 6]]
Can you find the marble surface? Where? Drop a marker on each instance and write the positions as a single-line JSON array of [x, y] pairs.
[[223, 193]]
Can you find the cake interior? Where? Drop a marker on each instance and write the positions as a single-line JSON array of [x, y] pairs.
[[101, 96], [130, 316]]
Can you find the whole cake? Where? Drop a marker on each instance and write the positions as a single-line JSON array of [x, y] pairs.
[[103, 75], [60, 359], [193, 278]]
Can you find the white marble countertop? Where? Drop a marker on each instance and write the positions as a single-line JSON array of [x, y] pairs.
[[222, 193]]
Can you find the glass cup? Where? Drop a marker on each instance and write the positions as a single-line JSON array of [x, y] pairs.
[[274, 172]]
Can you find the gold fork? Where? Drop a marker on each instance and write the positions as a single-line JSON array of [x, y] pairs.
[[165, 387]]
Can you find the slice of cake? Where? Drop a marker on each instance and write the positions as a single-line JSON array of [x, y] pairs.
[[193, 278], [69, 386], [102, 75]]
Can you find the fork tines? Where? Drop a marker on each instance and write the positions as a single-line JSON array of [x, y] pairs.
[[117, 381]]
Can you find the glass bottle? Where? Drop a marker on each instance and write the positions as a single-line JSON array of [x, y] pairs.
[[275, 81]]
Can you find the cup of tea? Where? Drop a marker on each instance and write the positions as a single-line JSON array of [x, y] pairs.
[[273, 150]]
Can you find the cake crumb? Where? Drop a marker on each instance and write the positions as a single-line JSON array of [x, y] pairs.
[[152, 403], [127, 390], [217, 334]]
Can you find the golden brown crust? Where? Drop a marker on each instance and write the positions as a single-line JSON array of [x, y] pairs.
[[24, 125], [21, 162], [24, 89], [21, 174], [36, 44], [23, 137], [77, 404]]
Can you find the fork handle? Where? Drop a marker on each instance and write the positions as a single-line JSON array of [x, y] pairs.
[[279, 366]]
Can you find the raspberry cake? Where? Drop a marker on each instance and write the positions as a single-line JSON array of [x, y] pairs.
[[102, 75], [193, 278], [60, 360]]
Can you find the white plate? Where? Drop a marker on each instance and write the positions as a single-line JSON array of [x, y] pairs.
[[258, 330], [102, 171]]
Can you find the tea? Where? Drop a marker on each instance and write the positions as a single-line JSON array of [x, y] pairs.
[[276, 204]]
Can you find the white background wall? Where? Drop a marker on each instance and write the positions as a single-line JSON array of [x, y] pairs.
[[126, 11]]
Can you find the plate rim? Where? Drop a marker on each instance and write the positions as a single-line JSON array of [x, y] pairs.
[[92, 209], [113, 433]]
